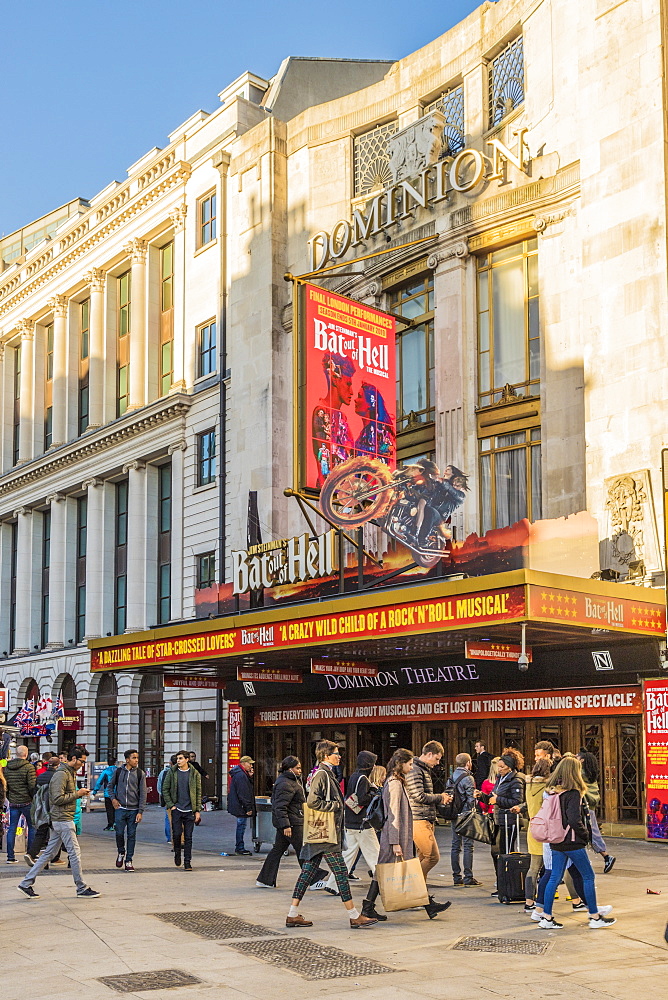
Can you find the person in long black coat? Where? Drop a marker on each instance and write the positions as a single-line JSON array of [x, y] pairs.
[[287, 816]]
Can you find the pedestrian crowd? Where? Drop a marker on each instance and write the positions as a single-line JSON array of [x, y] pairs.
[[383, 817]]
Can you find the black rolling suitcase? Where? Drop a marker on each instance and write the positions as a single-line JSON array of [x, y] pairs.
[[512, 870]]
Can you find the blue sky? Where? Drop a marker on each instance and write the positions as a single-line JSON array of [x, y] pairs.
[[89, 87]]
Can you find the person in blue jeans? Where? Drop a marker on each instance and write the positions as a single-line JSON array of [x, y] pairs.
[[21, 782], [128, 794], [241, 800], [567, 782]]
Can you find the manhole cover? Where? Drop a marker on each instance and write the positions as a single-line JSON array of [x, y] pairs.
[[215, 925], [311, 960], [507, 946], [133, 982]]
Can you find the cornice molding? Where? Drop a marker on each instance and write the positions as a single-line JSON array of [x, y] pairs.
[[89, 234], [97, 442]]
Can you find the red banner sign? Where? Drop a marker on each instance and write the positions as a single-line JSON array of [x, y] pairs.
[[72, 719], [185, 681], [618, 614], [4, 699], [276, 676], [655, 705], [495, 651], [412, 618], [522, 705], [351, 668], [350, 395]]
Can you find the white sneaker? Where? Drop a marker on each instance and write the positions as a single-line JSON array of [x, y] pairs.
[[317, 885], [550, 924], [601, 921], [605, 910], [537, 916], [263, 885]]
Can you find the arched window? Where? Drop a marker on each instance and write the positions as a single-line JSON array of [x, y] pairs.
[[106, 708]]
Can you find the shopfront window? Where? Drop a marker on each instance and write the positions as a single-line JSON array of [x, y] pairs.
[[151, 724]]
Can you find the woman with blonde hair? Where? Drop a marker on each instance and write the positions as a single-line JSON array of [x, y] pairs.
[[567, 782], [535, 787], [378, 775]]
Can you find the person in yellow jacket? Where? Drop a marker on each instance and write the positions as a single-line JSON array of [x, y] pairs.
[[535, 787]]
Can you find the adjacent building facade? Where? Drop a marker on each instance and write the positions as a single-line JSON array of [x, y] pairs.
[[513, 171]]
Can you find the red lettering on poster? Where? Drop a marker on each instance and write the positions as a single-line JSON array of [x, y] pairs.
[[350, 392], [655, 708]]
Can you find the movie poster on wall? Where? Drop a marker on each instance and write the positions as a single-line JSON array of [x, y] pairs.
[[349, 392], [655, 706]]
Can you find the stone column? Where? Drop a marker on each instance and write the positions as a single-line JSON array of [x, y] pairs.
[[6, 410], [142, 545], [26, 328], [96, 279], [62, 571], [137, 251], [178, 217], [5, 583], [24, 581], [177, 452], [59, 400], [95, 558], [128, 710]]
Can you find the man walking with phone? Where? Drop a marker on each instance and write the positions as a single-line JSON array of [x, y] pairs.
[[63, 796]]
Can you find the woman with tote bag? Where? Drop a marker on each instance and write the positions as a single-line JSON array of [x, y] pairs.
[[396, 845], [323, 838]]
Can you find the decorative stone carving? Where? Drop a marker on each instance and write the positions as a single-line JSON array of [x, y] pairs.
[[95, 278], [416, 147], [177, 446], [26, 328], [460, 250], [136, 250], [178, 216], [55, 498], [136, 465], [93, 481], [541, 222], [631, 546], [58, 305]]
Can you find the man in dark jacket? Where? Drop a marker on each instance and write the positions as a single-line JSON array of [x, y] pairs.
[[241, 799], [128, 795], [287, 815], [182, 792], [21, 780], [483, 762], [462, 788]]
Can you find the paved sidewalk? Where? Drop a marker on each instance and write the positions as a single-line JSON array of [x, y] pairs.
[[59, 946]]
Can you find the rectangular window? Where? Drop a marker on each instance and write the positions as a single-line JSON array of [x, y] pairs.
[[508, 324], [510, 479], [123, 343], [166, 371], [206, 457], [206, 219], [48, 389], [16, 431], [107, 734], [12, 586], [46, 563], [164, 544], [120, 557], [415, 353], [206, 349], [82, 537], [206, 570], [84, 348]]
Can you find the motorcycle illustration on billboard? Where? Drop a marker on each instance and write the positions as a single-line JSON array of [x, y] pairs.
[[413, 503]]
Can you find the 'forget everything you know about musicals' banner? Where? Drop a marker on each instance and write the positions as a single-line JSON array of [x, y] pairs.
[[348, 399]]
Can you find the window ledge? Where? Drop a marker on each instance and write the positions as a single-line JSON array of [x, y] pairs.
[[207, 486], [206, 246]]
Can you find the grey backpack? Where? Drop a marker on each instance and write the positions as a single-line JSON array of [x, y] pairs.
[[39, 808]]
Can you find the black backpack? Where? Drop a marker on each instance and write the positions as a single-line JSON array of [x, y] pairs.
[[375, 812], [452, 809]]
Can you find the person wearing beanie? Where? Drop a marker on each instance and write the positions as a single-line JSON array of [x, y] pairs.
[[287, 816], [507, 799], [360, 836]]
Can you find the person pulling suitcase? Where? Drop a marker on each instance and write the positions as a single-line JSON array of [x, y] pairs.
[[506, 798]]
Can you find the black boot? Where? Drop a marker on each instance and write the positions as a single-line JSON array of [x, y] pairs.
[[369, 910], [433, 908]]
